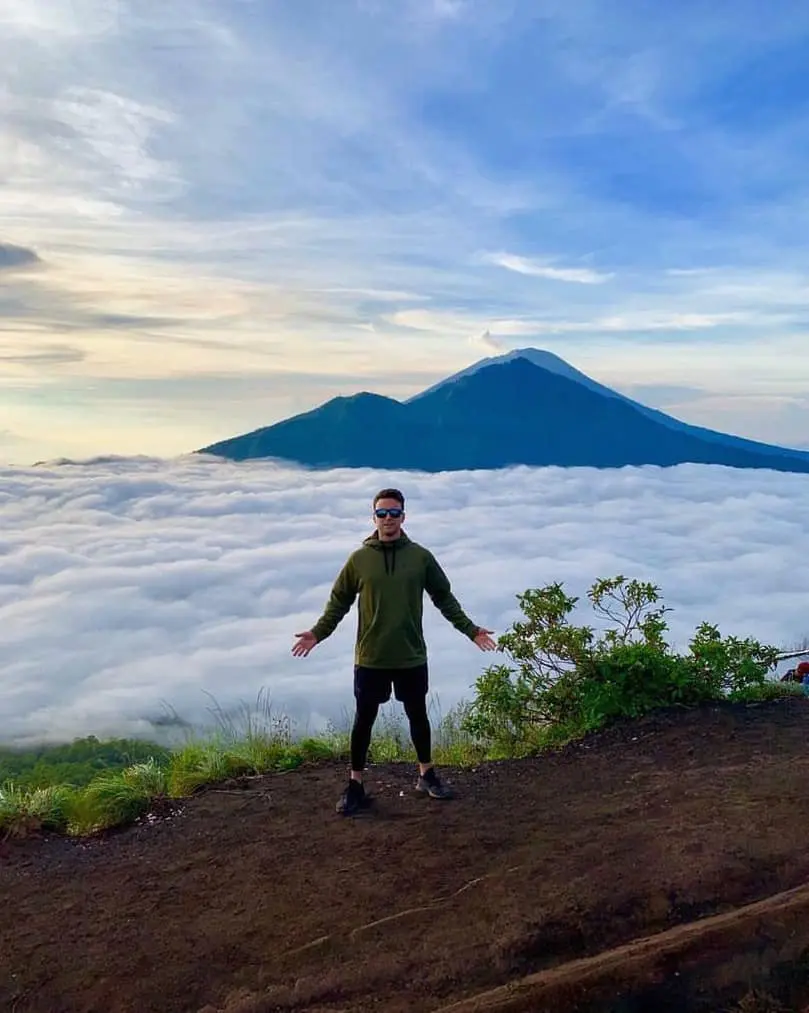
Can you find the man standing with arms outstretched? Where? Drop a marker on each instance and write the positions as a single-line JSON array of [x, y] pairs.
[[390, 573]]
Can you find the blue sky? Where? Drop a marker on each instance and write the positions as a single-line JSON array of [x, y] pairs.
[[216, 213]]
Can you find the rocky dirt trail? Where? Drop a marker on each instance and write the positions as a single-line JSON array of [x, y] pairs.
[[658, 866]]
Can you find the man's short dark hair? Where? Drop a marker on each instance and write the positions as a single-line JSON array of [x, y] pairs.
[[389, 494]]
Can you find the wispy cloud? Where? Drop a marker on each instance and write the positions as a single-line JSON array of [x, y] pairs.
[[130, 587], [537, 269], [53, 355], [648, 322]]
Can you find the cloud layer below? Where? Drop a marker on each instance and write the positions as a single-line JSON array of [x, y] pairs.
[[132, 586]]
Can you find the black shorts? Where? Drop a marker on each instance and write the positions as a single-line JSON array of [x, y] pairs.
[[374, 685]]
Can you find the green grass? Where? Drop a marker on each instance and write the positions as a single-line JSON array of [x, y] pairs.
[[252, 742]]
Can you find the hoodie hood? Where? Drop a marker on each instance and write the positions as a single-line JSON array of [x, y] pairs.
[[388, 549]]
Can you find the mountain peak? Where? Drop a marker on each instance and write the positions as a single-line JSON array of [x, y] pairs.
[[536, 356], [525, 407]]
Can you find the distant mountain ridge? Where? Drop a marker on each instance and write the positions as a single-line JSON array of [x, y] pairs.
[[528, 407]]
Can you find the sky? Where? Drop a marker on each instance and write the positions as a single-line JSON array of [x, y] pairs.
[[136, 590], [218, 213]]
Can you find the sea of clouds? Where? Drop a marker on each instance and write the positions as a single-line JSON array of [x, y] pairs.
[[135, 589]]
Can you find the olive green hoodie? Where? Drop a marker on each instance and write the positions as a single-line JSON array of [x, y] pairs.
[[390, 579]]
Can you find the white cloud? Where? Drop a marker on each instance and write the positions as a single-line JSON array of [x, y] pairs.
[[63, 19], [112, 135], [539, 269], [129, 586], [640, 320]]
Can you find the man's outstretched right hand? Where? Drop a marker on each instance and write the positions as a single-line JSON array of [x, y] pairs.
[[304, 644]]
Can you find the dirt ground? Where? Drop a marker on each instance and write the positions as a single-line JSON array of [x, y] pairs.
[[658, 866]]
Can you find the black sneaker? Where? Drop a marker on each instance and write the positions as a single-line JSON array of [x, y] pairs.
[[430, 784], [353, 799]]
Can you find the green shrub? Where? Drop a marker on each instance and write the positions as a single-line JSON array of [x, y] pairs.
[[566, 680]]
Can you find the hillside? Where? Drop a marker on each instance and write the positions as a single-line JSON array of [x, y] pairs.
[[554, 364], [511, 411], [660, 865]]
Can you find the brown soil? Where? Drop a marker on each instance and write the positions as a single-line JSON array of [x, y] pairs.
[[658, 866]]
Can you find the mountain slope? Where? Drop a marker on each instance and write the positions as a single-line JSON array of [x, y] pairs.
[[558, 421], [553, 363], [319, 437], [509, 413]]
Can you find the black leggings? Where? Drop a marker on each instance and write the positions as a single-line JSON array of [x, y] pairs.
[[372, 688]]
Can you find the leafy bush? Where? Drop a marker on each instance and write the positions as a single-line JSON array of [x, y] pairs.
[[569, 680]]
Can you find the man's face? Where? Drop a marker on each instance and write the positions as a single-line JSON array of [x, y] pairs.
[[389, 525]]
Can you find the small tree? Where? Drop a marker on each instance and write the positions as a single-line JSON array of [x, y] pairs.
[[569, 680], [730, 667]]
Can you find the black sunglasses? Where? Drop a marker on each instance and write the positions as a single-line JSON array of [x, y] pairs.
[[389, 512]]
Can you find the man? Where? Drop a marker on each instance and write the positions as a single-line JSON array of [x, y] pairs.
[[798, 674], [390, 573]]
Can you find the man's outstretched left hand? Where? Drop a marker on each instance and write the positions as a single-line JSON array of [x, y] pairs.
[[484, 640]]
